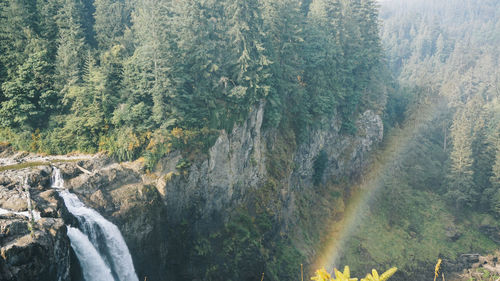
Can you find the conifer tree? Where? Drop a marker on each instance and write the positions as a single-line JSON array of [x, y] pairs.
[[323, 56], [86, 123], [283, 26], [202, 56], [495, 180], [111, 19], [461, 184], [17, 21], [249, 60], [154, 59], [29, 94], [70, 52]]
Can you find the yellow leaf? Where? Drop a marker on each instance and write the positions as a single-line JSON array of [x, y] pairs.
[[436, 270], [338, 274], [347, 272], [344, 276], [388, 274], [322, 275], [375, 274]]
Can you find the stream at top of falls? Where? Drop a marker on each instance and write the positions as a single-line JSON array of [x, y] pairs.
[[98, 243]]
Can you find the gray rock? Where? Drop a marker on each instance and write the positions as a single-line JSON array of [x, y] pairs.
[[12, 200], [45, 255], [144, 205]]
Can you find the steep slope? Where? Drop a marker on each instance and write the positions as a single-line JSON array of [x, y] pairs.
[[439, 202], [181, 222]]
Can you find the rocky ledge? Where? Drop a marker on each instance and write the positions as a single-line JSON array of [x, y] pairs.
[[32, 247], [40, 249]]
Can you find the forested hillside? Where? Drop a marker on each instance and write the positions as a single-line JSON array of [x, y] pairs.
[[442, 198], [256, 123], [450, 49], [139, 78]]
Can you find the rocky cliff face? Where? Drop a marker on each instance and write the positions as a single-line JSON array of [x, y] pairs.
[[237, 164], [32, 251], [163, 214]]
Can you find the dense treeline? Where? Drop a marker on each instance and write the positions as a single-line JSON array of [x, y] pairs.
[[120, 75], [443, 199]]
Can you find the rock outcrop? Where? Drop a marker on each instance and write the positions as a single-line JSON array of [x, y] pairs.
[[474, 267], [36, 249], [147, 207], [150, 208]]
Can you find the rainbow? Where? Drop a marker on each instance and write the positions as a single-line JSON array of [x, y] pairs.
[[385, 164]]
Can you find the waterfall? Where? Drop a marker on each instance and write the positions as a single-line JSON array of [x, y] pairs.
[[92, 264], [104, 237], [57, 180]]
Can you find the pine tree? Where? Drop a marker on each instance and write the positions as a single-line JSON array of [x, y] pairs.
[[460, 179], [154, 58], [249, 60], [323, 56], [111, 19], [17, 21], [47, 27], [71, 45], [283, 25], [495, 180], [29, 94], [483, 152], [86, 123], [201, 30]]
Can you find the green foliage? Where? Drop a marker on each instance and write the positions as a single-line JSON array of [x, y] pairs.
[[182, 165], [495, 178], [247, 240], [29, 94], [451, 157], [87, 73], [111, 19], [124, 145]]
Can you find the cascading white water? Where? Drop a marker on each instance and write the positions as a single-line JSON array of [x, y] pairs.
[[94, 267], [57, 180], [105, 235], [102, 235]]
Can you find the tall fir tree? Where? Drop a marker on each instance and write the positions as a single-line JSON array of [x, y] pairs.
[[495, 180], [249, 59], [19, 19], [71, 45], [154, 58], [112, 17], [29, 93], [283, 26], [461, 185], [323, 56]]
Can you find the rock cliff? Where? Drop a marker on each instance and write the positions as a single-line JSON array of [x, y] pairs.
[[37, 250], [165, 215]]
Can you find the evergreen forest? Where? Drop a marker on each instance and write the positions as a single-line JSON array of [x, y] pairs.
[[140, 79], [440, 198]]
